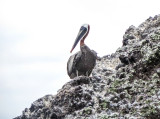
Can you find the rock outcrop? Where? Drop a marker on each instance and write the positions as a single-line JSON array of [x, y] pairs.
[[124, 85]]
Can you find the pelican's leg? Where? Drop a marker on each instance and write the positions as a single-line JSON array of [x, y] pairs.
[[87, 74], [77, 72]]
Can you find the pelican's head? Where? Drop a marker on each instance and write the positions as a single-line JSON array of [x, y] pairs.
[[83, 32]]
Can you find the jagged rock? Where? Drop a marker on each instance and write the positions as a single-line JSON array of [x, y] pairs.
[[125, 84]]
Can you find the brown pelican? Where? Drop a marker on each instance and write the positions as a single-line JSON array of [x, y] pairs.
[[82, 62]]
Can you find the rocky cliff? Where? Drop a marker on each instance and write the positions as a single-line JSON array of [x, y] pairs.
[[124, 85]]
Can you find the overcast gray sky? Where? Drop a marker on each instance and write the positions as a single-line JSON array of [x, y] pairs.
[[36, 37]]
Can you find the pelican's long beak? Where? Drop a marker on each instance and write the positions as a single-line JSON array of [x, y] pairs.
[[80, 36]]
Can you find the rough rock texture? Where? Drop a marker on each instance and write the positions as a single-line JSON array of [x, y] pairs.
[[124, 85]]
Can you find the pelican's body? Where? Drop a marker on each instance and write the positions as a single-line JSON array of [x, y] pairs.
[[82, 62]]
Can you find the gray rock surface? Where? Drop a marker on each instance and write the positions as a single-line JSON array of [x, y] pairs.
[[124, 85]]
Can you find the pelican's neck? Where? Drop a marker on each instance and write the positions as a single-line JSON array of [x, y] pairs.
[[82, 42]]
